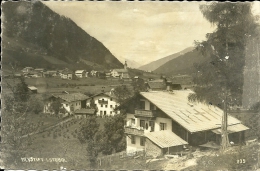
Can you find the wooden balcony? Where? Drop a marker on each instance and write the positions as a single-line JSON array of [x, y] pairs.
[[134, 131], [145, 113], [102, 102]]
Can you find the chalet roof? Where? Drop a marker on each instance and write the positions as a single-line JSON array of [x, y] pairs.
[[232, 129], [193, 117], [165, 138], [121, 70], [79, 71], [85, 111], [73, 97]]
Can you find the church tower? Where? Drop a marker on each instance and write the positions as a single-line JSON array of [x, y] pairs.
[[125, 65]]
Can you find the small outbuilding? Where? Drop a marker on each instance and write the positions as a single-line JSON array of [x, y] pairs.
[[33, 89]]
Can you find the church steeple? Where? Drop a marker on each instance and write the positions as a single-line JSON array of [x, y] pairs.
[[125, 65]]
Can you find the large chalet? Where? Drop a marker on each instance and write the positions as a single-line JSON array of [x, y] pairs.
[[165, 122]]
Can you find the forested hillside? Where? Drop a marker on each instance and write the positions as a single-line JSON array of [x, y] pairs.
[[35, 35]]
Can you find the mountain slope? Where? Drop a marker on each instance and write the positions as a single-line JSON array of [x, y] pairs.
[[49, 38], [156, 64], [183, 64]]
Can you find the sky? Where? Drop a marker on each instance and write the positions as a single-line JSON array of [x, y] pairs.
[[141, 31]]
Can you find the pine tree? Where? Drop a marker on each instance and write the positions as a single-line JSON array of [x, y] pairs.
[[220, 79]]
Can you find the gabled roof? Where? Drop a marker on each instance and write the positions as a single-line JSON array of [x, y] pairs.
[[73, 97], [108, 94], [165, 138], [193, 117]]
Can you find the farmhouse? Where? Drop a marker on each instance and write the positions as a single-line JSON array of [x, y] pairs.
[[69, 102], [105, 103], [27, 69], [93, 73], [162, 85], [67, 75], [162, 122], [80, 73], [121, 73], [50, 73]]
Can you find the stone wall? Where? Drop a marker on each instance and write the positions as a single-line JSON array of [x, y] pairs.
[[152, 149]]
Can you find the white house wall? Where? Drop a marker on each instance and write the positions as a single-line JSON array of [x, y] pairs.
[[76, 105], [131, 148], [109, 110]]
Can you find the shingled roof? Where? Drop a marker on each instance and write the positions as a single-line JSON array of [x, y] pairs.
[[165, 138], [193, 117]]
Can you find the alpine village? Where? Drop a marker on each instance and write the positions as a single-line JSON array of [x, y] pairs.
[[68, 103]]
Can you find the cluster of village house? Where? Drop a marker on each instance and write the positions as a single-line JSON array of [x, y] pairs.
[[162, 121], [80, 105], [68, 74]]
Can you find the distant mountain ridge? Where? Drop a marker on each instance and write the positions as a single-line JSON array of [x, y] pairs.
[[34, 35], [156, 64], [183, 64]]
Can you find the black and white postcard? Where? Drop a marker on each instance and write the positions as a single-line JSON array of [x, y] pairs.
[[127, 85]]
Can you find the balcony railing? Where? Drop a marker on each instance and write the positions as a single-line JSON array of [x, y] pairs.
[[134, 131], [102, 102], [145, 113]]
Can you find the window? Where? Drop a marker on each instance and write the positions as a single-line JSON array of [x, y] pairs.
[[142, 123], [101, 112], [133, 121], [105, 112], [101, 105], [105, 106], [142, 104], [111, 106], [142, 140], [115, 106], [111, 112], [133, 139], [151, 106], [151, 124], [111, 99], [162, 126]]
